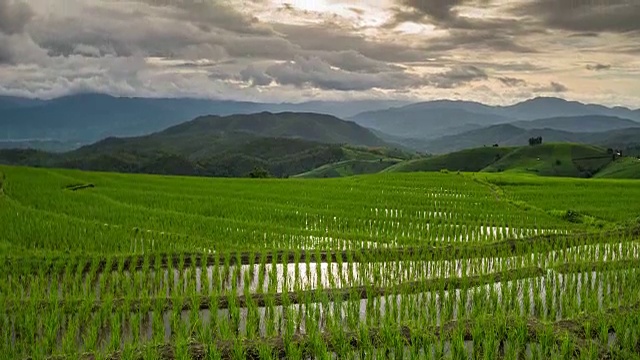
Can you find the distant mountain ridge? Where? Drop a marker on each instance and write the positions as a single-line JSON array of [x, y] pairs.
[[87, 118], [512, 135], [586, 123], [283, 144], [434, 119]]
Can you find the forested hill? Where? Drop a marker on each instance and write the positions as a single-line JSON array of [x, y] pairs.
[[282, 144]]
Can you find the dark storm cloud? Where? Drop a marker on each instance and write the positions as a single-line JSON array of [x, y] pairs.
[[587, 16], [598, 67], [14, 16]]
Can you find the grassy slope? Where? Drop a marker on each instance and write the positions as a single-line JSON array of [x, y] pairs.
[[563, 159], [471, 160], [625, 168], [349, 168], [608, 199], [359, 161]]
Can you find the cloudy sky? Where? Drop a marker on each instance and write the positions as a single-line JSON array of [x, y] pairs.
[[494, 51]]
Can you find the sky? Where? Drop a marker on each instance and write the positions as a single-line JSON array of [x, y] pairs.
[[492, 51]]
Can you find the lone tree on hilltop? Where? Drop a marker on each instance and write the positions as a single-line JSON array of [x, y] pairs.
[[259, 173], [535, 141]]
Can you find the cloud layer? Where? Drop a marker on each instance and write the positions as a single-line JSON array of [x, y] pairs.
[[269, 50]]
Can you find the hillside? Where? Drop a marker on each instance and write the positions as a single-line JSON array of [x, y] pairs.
[[471, 160], [554, 159], [422, 122], [589, 123], [283, 144], [350, 168], [565, 159], [625, 168], [434, 119], [513, 135], [307, 126], [549, 107]]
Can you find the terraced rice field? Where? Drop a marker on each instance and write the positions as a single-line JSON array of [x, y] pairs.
[[415, 266]]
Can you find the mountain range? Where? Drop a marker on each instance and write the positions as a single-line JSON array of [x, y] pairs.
[[435, 119], [283, 144], [616, 133], [86, 118]]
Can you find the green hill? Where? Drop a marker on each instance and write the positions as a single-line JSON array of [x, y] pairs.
[[471, 160], [513, 135], [624, 168], [283, 144], [562, 159]]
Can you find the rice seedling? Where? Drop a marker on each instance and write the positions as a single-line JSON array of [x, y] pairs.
[[406, 265]]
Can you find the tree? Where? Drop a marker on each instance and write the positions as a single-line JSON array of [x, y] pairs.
[[535, 141], [259, 173]]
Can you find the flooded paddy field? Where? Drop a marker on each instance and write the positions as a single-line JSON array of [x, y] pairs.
[[411, 266]]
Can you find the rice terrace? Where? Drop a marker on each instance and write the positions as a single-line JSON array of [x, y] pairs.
[[392, 265]]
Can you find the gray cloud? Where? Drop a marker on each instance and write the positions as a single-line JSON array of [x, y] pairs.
[[332, 38], [598, 67], [457, 76], [255, 77], [14, 16], [315, 72], [512, 82], [587, 16], [440, 11], [351, 60], [204, 13], [477, 40], [553, 87]]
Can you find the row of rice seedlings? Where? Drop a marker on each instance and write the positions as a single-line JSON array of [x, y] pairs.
[[234, 225], [563, 296], [152, 280]]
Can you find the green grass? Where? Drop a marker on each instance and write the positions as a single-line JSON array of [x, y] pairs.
[[612, 200], [624, 168], [471, 160], [562, 159]]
